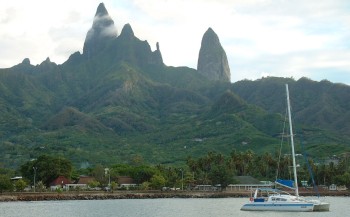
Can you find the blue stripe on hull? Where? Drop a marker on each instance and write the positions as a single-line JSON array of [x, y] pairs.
[[278, 207]]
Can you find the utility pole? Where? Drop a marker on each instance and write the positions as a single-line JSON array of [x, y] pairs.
[[34, 168], [107, 170], [182, 179]]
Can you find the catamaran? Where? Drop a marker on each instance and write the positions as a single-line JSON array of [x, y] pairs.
[[268, 199]]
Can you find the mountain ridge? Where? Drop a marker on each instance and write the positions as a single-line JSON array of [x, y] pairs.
[[123, 101]]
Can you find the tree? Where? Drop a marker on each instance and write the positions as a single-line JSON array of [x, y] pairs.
[[268, 165], [99, 174], [40, 186], [172, 176], [145, 186], [137, 160], [113, 186], [221, 175], [94, 184], [20, 185], [237, 162], [6, 171], [248, 157], [189, 179], [143, 173], [46, 168], [343, 179], [5, 183], [157, 181]]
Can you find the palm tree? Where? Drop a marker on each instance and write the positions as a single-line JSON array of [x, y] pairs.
[[248, 165]]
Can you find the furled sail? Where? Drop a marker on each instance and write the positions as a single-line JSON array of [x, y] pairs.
[[285, 183]]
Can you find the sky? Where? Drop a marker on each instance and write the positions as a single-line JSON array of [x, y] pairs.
[[284, 38]]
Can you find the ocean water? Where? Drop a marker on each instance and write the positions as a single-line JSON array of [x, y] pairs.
[[340, 206]]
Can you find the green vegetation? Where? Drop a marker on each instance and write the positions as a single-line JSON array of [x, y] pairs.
[[120, 104], [163, 123], [212, 168], [157, 182], [5, 183], [20, 185], [46, 168]]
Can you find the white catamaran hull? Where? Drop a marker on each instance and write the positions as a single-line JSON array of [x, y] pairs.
[[286, 207]]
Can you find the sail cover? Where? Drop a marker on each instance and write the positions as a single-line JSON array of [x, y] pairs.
[[285, 183]]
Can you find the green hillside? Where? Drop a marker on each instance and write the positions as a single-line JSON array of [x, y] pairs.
[[127, 112], [123, 102]]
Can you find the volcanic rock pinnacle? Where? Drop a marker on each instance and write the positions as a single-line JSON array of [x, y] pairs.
[[212, 59], [101, 31]]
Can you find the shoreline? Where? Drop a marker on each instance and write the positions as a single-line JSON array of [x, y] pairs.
[[88, 195]]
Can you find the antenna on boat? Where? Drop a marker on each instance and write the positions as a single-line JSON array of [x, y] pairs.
[[292, 143]]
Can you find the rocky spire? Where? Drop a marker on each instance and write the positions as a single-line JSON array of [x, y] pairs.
[[157, 56], [127, 31], [47, 65], [212, 59], [101, 31]]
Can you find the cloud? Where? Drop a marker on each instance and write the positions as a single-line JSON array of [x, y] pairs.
[[7, 15], [313, 64], [38, 27]]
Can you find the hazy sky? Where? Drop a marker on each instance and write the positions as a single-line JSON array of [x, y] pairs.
[[286, 38]]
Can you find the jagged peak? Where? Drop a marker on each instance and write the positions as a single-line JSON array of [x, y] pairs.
[[24, 66], [97, 41], [47, 62], [26, 61], [210, 37], [75, 57], [101, 10], [103, 24], [212, 59], [102, 29], [127, 31], [210, 31]]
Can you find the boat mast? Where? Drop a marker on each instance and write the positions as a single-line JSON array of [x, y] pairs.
[[292, 142]]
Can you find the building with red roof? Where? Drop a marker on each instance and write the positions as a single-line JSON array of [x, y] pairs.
[[59, 182]]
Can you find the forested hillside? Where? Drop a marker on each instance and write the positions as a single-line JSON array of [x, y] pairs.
[[118, 101]]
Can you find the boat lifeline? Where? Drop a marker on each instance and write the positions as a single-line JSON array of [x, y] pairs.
[[275, 200]]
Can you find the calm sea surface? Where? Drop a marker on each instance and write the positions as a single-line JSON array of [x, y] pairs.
[[340, 207]]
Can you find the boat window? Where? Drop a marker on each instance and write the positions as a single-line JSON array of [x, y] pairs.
[[279, 199]]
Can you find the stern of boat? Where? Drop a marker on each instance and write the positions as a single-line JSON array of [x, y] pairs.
[[321, 207]]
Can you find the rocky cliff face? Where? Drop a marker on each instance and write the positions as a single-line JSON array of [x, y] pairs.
[[103, 37], [129, 48], [101, 32], [212, 60]]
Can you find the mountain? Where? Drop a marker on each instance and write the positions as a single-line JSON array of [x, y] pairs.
[[118, 100], [101, 32], [314, 103], [320, 109], [212, 59]]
